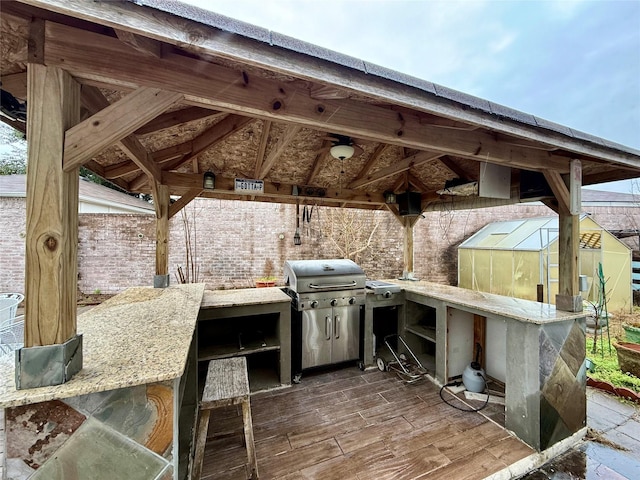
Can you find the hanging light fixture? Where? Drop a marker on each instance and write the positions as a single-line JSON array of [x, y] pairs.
[[342, 151], [209, 181], [389, 197]]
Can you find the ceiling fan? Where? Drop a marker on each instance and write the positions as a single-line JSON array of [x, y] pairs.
[[342, 148]]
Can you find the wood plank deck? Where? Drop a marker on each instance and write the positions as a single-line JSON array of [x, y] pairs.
[[347, 424]]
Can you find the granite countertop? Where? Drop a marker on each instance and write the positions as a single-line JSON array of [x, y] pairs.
[[244, 296], [507, 307], [138, 337]]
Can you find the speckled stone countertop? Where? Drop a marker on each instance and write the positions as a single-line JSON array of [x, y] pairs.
[[138, 337], [244, 296], [507, 307]]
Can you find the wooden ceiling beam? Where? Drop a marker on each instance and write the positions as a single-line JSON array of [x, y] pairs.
[[262, 148], [398, 167], [95, 102], [113, 123], [87, 54], [281, 144], [182, 182], [375, 156], [144, 45]]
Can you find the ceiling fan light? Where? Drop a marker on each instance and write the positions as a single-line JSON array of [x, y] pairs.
[[342, 152]]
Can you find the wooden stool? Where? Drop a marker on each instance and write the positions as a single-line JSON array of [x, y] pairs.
[[227, 384]]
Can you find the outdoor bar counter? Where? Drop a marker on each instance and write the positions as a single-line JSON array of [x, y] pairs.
[[132, 405], [537, 351]]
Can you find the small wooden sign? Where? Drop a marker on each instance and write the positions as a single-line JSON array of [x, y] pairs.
[[254, 187]]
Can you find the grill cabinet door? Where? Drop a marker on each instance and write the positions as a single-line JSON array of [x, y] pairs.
[[346, 333], [317, 332]]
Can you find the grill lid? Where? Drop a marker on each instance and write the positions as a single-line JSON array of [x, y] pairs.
[[318, 275]]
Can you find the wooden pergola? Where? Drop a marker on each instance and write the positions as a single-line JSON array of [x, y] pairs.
[[151, 95]]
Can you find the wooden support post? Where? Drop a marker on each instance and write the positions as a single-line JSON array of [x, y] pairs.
[[568, 297], [52, 351], [479, 336], [568, 251], [161, 202], [51, 245], [408, 247]]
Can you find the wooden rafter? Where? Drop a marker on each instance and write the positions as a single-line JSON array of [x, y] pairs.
[[282, 143], [416, 182], [113, 123], [454, 167], [317, 161], [375, 156], [161, 157], [399, 167], [207, 84], [266, 130], [175, 118], [189, 150], [401, 183]]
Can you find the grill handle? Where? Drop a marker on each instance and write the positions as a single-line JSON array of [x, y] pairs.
[[327, 327], [333, 285]]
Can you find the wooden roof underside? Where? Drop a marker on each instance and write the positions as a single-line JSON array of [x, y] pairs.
[[191, 98]]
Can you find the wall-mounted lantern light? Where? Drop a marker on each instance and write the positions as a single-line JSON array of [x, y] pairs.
[[209, 181], [389, 197]]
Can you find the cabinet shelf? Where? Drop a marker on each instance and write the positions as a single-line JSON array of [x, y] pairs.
[[428, 333], [217, 351]]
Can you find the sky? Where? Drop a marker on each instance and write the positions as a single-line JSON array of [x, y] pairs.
[[574, 62]]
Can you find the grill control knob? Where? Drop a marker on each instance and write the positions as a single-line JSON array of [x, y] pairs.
[[314, 303], [387, 294], [334, 302], [352, 300]]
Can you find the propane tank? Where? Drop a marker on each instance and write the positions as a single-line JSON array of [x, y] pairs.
[[473, 375]]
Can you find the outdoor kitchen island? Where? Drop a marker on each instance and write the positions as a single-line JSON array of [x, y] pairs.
[[132, 406], [250, 322], [538, 352], [129, 412]]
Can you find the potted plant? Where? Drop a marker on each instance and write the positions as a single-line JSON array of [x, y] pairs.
[[267, 279], [632, 332]]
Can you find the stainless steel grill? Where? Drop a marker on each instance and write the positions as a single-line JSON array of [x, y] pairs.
[[327, 308]]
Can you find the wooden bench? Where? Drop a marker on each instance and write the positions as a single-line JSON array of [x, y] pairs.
[[227, 384]]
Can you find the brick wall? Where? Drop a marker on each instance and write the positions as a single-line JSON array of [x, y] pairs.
[[13, 228], [234, 240]]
